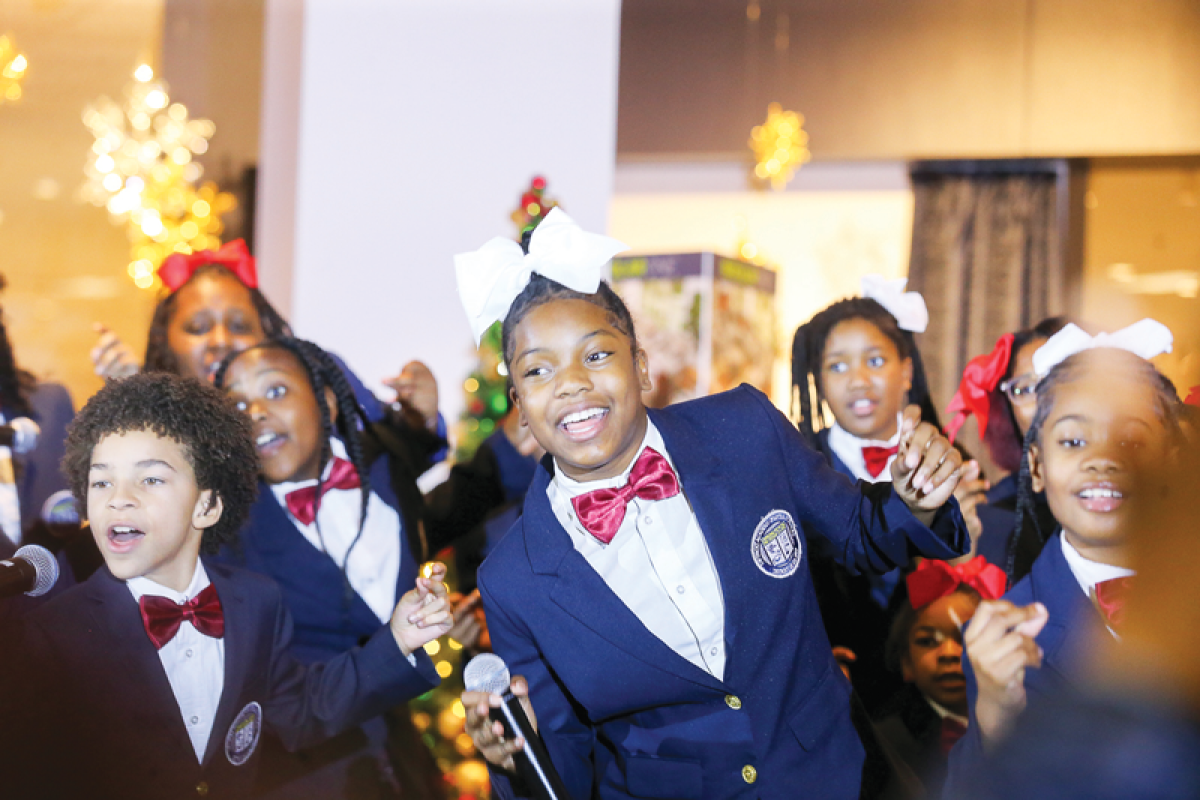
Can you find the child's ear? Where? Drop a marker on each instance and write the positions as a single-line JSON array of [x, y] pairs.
[[208, 510], [331, 404], [515, 401], [641, 362], [1037, 478], [906, 372]]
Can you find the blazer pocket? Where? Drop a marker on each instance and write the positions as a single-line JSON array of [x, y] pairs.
[[649, 776], [815, 718]]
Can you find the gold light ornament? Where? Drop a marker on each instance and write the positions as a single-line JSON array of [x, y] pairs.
[[780, 146], [140, 168], [13, 66]]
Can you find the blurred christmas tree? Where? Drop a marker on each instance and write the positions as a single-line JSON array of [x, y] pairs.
[[487, 385]]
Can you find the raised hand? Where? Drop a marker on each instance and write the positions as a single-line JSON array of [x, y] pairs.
[[970, 493], [423, 613], [927, 468], [486, 733], [112, 358], [1000, 644], [416, 387]]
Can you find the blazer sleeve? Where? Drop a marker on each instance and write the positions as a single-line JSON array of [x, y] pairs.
[[868, 526], [568, 736], [967, 755], [310, 703]]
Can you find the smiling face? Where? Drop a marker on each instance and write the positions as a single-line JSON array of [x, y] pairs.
[[864, 380], [1093, 445], [272, 386], [578, 387], [933, 659], [147, 515], [213, 316]]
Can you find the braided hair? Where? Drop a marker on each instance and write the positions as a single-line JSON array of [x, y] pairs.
[[324, 372], [808, 351], [1029, 535], [1003, 436], [159, 356]]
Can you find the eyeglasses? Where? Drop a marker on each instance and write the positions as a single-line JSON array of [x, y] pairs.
[[1021, 389]]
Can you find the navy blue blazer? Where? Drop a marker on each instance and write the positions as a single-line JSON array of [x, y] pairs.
[[621, 713], [330, 617], [111, 726], [1074, 628]]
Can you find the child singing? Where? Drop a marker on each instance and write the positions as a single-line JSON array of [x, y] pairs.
[[654, 594]]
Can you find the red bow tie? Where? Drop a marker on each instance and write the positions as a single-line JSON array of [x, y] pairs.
[[602, 511], [933, 580], [1110, 599], [163, 616], [876, 458], [952, 731], [302, 503]]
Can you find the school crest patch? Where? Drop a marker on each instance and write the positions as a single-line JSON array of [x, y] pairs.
[[243, 734], [775, 545]]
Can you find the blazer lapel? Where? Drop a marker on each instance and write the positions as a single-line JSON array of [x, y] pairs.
[[581, 592], [1074, 625], [239, 654], [117, 611]]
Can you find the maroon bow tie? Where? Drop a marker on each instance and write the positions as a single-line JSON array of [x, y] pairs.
[[163, 616], [1110, 599], [952, 731], [302, 503], [602, 511], [876, 458]]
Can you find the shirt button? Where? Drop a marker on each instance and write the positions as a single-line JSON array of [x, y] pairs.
[[195, 720], [680, 589], [749, 774], [188, 653], [733, 702], [714, 651], [649, 520], [202, 788]]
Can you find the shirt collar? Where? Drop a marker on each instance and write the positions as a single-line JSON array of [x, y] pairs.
[[573, 488], [140, 586], [336, 449], [1089, 572], [848, 448], [944, 712]]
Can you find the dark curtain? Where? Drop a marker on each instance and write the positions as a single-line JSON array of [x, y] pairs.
[[988, 256]]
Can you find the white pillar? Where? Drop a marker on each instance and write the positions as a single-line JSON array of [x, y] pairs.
[[416, 126]]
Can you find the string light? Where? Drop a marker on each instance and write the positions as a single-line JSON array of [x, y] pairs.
[[141, 168], [780, 146], [13, 66]]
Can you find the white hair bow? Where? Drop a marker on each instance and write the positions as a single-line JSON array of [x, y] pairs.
[[1147, 338], [907, 307], [490, 278]]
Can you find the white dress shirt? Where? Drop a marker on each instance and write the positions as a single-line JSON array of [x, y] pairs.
[[194, 663], [848, 448], [658, 564], [375, 559], [1089, 572], [945, 713]]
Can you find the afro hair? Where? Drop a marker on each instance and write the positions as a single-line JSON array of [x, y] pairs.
[[216, 439]]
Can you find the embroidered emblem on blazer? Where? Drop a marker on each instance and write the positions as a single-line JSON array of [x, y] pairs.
[[775, 545]]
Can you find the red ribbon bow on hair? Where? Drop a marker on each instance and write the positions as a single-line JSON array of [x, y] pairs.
[[178, 268], [979, 380], [933, 580]]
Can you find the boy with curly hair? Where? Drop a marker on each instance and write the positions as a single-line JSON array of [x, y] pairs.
[[154, 678]]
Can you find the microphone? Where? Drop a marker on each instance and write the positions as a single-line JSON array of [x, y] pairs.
[[487, 672], [21, 434], [32, 570]]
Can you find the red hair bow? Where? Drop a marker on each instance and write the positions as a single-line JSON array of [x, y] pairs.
[[979, 380], [933, 580], [178, 268]]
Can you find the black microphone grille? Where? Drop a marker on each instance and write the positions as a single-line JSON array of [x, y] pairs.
[[43, 563], [486, 672]]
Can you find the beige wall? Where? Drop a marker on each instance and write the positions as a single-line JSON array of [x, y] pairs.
[[884, 79]]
